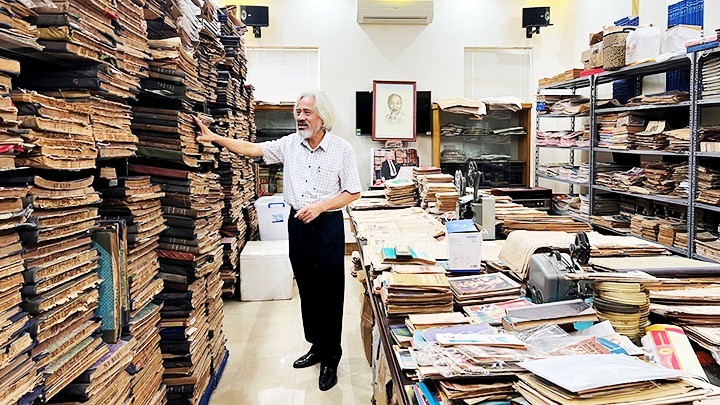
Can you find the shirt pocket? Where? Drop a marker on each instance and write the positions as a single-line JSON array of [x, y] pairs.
[[326, 180]]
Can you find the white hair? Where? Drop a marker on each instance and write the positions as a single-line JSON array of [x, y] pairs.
[[323, 107]]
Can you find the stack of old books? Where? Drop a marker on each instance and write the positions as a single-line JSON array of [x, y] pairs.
[[708, 248], [111, 128], [108, 381], [61, 280], [210, 50], [190, 250], [679, 140], [147, 385], [424, 171], [708, 185], [137, 202], [709, 138], [646, 227], [673, 233], [80, 30], [625, 305], [615, 130], [432, 184], [183, 341], [401, 192], [17, 33], [60, 133], [166, 133], [11, 143], [234, 228], [652, 138], [711, 78], [133, 53], [16, 365], [407, 293], [447, 201], [177, 68], [484, 289], [214, 311]]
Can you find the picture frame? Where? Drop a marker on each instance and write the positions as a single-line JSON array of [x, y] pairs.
[[403, 160], [394, 110]]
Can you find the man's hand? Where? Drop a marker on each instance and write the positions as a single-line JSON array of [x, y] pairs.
[[310, 212], [206, 135]]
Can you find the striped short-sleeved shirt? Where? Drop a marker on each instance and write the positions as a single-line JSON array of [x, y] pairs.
[[313, 175]]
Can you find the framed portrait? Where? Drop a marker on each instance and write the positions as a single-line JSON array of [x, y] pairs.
[[394, 110]]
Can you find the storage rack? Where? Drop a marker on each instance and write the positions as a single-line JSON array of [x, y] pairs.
[[691, 62], [572, 85]]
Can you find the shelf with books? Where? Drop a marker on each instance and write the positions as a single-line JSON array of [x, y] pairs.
[[710, 102], [641, 152], [668, 200], [645, 107], [563, 180]]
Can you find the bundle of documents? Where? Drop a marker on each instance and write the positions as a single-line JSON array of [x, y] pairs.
[[711, 78], [136, 201], [470, 391], [652, 138], [61, 281], [484, 289], [59, 132], [562, 77], [625, 305], [708, 184], [562, 139], [167, 134], [615, 130], [228, 90], [431, 184], [551, 223], [678, 140], [78, 30], [571, 106], [401, 192], [108, 381], [605, 204], [20, 370], [406, 293], [447, 201], [709, 138], [425, 171], [176, 71], [466, 106], [668, 97], [709, 249], [147, 384], [564, 204], [618, 223], [235, 62], [210, 51], [561, 312], [436, 320], [673, 234], [605, 378]]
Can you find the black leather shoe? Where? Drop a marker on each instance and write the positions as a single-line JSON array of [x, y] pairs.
[[328, 377], [306, 360]]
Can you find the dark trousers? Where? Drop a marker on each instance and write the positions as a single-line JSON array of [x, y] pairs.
[[317, 255]]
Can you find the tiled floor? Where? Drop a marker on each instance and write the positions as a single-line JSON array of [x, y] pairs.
[[264, 338]]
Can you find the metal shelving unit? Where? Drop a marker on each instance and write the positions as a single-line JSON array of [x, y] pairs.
[[667, 200], [641, 152], [562, 180]]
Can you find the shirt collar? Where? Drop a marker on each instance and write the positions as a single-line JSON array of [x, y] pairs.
[[323, 144]]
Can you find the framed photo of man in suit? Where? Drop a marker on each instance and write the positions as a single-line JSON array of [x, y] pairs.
[[392, 163], [394, 110]]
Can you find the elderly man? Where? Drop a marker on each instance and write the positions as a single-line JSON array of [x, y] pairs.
[[320, 178]]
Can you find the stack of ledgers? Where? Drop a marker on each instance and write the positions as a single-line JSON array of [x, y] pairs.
[[679, 140], [447, 201], [666, 231], [562, 139], [210, 51], [708, 185], [408, 293], [431, 184]]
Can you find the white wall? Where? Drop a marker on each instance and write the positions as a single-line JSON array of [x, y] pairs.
[[353, 55]]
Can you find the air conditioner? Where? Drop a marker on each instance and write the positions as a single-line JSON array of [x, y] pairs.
[[394, 12]]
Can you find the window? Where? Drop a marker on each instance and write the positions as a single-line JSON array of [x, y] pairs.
[[281, 74], [496, 72]]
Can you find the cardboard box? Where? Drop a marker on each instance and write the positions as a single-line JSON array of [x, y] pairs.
[[464, 245], [596, 59]]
